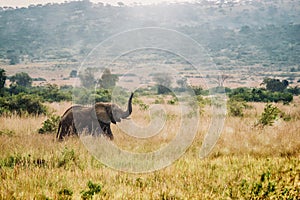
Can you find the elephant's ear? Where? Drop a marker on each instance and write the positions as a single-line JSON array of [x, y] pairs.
[[110, 114], [103, 113], [99, 113]]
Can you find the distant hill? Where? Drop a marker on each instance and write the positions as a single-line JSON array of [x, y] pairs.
[[241, 33]]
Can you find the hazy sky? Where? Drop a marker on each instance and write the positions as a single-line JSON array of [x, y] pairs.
[[22, 3]]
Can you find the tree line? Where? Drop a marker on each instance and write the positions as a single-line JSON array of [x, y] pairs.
[[21, 97]]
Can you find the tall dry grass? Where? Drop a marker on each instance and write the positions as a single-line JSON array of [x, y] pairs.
[[35, 166]]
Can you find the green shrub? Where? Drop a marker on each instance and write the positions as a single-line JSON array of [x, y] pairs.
[[260, 95], [22, 104], [264, 187], [93, 189], [173, 101], [86, 96], [3, 78], [203, 101], [52, 93], [50, 125], [39, 79], [236, 108], [68, 156], [15, 160], [65, 194], [140, 103], [144, 106], [270, 114], [275, 85], [199, 90], [7, 132], [21, 79], [159, 100]]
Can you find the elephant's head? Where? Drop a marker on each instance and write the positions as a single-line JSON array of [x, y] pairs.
[[108, 112]]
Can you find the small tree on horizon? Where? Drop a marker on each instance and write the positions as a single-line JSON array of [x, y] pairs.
[[87, 78], [221, 79], [163, 81], [275, 85], [21, 79], [108, 80]]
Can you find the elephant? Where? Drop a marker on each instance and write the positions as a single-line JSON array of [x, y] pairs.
[[93, 120]]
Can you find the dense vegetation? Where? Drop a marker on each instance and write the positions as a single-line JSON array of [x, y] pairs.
[[241, 34], [21, 97], [260, 95]]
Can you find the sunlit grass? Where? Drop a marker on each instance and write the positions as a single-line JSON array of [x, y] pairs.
[[247, 162]]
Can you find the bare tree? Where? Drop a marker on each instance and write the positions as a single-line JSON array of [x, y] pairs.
[[221, 79]]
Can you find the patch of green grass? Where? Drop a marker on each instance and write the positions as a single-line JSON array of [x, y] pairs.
[[93, 189], [7, 132]]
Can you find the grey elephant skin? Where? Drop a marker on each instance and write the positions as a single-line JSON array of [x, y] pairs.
[[94, 120]]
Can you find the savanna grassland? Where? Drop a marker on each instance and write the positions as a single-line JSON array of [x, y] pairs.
[[250, 43], [248, 161]]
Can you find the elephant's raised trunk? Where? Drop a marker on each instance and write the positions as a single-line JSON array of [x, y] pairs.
[[129, 108]]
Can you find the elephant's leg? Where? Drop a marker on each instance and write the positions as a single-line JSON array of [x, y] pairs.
[[73, 129], [95, 129], [69, 130], [63, 132], [59, 131], [109, 133], [106, 130]]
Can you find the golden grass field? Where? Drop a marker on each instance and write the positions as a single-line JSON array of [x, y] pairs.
[[247, 162]]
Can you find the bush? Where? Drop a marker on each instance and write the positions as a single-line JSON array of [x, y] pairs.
[[199, 90], [219, 90], [39, 79], [2, 78], [163, 83], [68, 157], [260, 95], [51, 93], [275, 85], [73, 74], [270, 114], [108, 80], [85, 96], [14, 160], [203, 101], [173, 101], [21, 79], [104, 95], [50, 125], [93, 189], [159, 100], [65, 194], [236, 108], [142, 105], [22, 104], [7, 132], [294, 90]]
